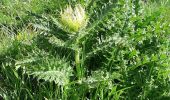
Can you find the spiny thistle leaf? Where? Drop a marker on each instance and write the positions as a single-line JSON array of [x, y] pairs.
[[43, 66], [60, 77]]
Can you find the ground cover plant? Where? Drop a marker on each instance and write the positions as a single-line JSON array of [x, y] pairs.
[[84, 50]]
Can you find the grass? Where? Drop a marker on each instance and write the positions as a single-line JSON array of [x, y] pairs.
[[115, 50]]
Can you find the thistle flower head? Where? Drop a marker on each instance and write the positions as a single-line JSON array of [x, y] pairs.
[[74, 19]]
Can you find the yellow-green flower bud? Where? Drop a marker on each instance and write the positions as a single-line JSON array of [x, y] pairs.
[[74, 19]]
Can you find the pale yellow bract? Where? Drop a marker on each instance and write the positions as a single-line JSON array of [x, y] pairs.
[[74, 19]]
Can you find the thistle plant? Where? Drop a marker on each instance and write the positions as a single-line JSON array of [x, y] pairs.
[[99, 49], [74, 20]]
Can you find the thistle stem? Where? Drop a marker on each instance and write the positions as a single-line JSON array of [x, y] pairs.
[[77, 59]]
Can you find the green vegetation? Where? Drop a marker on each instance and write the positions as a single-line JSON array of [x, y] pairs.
[[84, 49]]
